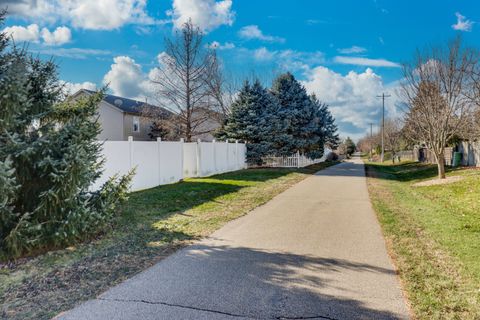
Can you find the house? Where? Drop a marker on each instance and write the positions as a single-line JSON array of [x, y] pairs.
[[122, 117]]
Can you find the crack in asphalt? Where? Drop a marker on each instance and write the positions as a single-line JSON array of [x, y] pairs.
[[214, 311]]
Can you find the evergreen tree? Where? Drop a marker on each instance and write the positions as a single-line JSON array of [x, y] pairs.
[[327, 128], [281, 121], [252, 119], [49, 158], [158, 129], [298, 115], [350, 146]]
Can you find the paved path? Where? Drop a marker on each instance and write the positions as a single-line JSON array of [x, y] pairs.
[[313, 252]]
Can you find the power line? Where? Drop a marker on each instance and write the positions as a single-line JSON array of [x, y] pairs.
[[383, 96]]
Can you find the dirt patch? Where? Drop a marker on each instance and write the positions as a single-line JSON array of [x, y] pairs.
[[435, 182]]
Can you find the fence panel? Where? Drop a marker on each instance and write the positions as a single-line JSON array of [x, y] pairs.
[[470, 153], [242, 156], [406, 155], [146, 164], [190, 159], [164, 162], [111, 151], [207, 158], [171, 162], [221, 149], [295, 161], [231, 156]]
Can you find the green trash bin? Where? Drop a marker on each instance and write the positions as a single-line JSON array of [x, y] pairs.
[[457, 159]]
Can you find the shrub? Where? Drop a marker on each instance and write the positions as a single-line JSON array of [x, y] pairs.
[[49, 158]]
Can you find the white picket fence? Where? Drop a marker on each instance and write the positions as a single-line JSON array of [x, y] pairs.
[[163, 162], [295, 161]]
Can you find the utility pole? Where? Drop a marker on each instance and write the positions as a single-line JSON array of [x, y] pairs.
[[383, 96], [371, 140]]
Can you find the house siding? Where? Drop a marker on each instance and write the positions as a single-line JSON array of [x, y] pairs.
[[145, 124], [110, 119]]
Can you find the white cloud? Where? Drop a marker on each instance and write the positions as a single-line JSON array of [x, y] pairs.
[[217, 45], [85, 14], [254, 32], [359, 61], [263, 54], [125, 77], [108, 14], [74, 53], [45, 10], [352, 49], [463, 24], [60, 36], [288, 59], [352, 97], [206, 14], [30, 33], [72, 87]]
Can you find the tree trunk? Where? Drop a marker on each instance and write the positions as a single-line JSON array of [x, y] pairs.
[[441, 166]]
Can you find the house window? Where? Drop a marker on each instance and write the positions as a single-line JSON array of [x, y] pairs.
[[136, 124]]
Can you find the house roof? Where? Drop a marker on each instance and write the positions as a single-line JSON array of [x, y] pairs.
[[129, 105]]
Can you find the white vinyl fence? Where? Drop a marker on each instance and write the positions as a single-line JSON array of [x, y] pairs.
[[163, 162], [295, 161]]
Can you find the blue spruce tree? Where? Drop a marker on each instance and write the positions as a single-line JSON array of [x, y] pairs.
[[298, 115], [326, 127], [253, 120]]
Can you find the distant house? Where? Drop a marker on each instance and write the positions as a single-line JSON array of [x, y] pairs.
[[122, 117]]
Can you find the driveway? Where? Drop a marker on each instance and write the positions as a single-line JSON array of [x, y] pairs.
[[315, 251]]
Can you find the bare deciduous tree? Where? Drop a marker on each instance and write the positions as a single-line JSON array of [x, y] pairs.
[[222, 91], [183, 82], [393, 136], [436, 87]]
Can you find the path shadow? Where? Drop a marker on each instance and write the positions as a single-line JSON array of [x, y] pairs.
[[247, 282]]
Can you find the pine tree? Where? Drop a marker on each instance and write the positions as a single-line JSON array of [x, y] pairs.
[[252, 119], [281, 121], [49, 158], [326, 127], [159, 129], [298, 115], [350, 146]]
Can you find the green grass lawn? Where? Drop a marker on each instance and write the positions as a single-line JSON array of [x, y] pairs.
[[433, 234], [151, 225]]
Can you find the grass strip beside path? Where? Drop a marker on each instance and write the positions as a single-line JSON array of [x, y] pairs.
[[433, 234], [150, 226]]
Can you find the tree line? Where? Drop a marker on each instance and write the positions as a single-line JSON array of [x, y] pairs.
[[281, 120], [440, 91]]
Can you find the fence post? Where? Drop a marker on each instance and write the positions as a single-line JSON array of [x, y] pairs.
[[298, 159], [199, 168], [214, 156], [182, 140], [237, 162], [228, 157], [159, 147], [130, 150]]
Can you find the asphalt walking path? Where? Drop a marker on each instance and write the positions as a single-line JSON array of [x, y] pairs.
[[315, 251]]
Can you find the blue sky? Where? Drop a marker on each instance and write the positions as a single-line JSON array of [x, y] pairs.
[[346, 52]]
